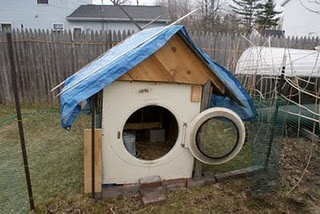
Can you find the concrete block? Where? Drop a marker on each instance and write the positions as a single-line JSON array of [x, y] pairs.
[[131, 189], [151, 190], [112, 191], [154, 198], [151, 181], [175, 184]]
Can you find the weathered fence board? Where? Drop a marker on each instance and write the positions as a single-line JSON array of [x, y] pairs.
[[45, 58]]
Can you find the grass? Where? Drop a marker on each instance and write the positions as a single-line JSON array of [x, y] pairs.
[[56, 166], [55, 155]]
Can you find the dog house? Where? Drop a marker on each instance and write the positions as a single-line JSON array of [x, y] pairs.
[[165, 103]]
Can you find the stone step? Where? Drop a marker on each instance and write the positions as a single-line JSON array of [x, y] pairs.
[[151, 190], [146, 191], [153, 198], [150, 181]]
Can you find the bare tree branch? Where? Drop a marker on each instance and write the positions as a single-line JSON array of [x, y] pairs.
[[118, 2]]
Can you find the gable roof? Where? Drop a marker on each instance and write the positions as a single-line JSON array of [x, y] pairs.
[[124, 57], [114, 13]]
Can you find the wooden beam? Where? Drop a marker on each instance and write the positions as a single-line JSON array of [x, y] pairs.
[[149, 70], [196, 93], [87, 161], [140, 126], [175, 62], [205, 103], [213, 77], [179, 59]]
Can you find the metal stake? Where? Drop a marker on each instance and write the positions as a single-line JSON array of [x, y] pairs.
[[93, 122], [275, 115]]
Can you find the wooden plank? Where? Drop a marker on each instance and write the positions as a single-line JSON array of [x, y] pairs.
[[238, 173], [87, 161], [196, 93], [205, 103], [44, 68], [149, 70], [145, 125], [181, 62], [175, 62]]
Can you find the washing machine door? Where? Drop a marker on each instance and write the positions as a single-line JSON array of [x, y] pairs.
[[216, 135]]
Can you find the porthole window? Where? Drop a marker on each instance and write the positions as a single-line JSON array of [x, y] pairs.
[[217, 137], [150, 132]]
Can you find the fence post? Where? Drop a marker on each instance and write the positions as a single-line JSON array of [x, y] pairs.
[[19, 119]]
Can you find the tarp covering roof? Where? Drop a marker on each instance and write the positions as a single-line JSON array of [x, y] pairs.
[[122, 58]]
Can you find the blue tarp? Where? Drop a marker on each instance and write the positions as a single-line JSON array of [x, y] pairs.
[[122, 58]]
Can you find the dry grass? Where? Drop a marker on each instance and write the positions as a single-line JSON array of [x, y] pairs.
[[56, 157]]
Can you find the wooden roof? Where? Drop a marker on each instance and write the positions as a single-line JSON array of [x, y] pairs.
[[175, 62]]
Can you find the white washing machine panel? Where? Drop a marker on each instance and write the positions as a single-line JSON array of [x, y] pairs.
[[120, 100]]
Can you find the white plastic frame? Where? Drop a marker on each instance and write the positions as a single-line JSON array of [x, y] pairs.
[[203, 117]]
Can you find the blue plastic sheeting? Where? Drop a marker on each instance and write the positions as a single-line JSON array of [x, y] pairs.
[[223, 101], [122, 58]]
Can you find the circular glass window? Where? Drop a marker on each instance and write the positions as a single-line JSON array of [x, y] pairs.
[[217, 137], [150, 132]]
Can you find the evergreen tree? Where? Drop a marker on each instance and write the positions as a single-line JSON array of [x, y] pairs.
[[267, 15], [246, 10]]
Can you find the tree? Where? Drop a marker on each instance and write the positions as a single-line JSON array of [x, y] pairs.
[[118, 2], [210, 10], [246, 10], [230, 24], [213, 15], [177, 8], [267, 15]]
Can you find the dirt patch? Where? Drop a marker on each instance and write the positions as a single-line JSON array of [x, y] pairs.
[[301, 175]]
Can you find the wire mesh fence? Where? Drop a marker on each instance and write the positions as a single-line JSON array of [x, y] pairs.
[[13, 197], [55, 158], [285, 85], [266, 134]]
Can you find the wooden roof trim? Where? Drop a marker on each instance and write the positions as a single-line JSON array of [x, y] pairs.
[[212, 76]]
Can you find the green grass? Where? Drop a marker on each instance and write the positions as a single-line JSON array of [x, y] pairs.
[[55, 156], [56, 166]]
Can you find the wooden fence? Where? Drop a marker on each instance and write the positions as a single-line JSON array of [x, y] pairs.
[[45, 58]]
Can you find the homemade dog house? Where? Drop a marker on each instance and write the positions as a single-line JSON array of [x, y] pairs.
[[158, 90]]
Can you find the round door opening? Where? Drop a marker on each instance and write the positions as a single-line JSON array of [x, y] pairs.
[[150, 132], [217, 137]]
